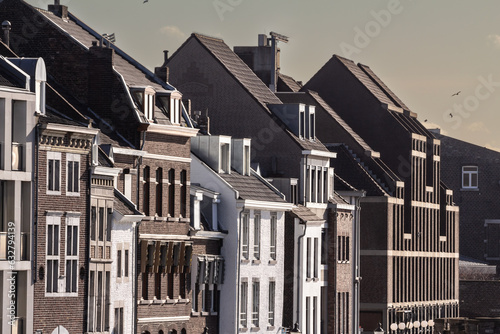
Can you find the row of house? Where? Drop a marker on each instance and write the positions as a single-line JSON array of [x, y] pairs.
[[215, 195]]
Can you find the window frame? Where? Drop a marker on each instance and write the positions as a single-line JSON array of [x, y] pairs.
[[72, 158], [244, 305], [255, 304], [245, 240], [74, 222], [256, 235], [53, 176], [470, 174], [52, 220], [273, 241]]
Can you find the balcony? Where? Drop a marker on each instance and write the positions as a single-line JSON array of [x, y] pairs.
[[17, 157], [21, 247]]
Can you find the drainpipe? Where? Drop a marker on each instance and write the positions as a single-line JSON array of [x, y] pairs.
[[238, 278], [357, 259], [34, 260], [299, 251], [134, 273]]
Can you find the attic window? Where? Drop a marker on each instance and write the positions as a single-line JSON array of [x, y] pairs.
[[302, 124], [145, 101], [224, 158], [312, 126], [40, 96], [171, 106]]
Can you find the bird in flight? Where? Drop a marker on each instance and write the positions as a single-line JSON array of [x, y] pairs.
[[451, 115], [425, 120], [451, 95], [145, 1]]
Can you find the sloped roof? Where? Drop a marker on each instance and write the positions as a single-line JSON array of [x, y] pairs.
[[289, 82], [250, 82], [342, 185], [337, 199], [238, 69], [351, 170], [305, 214], [123, 205], [309, 96], [7, 80], [251, 188]]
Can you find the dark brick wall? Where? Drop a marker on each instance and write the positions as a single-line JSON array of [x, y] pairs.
[[479, 298], [475, 205], [69, 312]]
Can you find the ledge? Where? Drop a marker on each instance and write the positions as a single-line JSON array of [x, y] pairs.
[[255, 329], [245, 261], [272, 262], [255, 261], [270, 328]]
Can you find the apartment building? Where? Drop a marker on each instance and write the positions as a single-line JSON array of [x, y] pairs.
[[285, 148], [252, 213], [21, 90], [409, 229]]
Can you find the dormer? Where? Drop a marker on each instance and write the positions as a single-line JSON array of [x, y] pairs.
[[310, 126], [170, 104], [144, 98], [215, 151], [240, 156], [293, 115], [35, 69]]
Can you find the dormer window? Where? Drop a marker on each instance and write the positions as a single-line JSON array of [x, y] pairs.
[[224, 158], [40, 96], [311, 123], [171, 106], [302, 124], [145, 101]]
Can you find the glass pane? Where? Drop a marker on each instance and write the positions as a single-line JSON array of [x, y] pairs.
[[473, 182], [51, 175], [49, 276], [50, 245], [75, 240], [68, 275], [70, 176], [55, 275], [69, 244], [74, 276], [56, 240], [76, 175], [56, 175]]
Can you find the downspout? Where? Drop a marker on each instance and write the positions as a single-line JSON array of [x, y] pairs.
[[34, 262], [299, 251], [238, 278], [357, 272], [134, 273]]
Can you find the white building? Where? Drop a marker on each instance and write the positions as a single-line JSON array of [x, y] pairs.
[[22, 100], [252, 212]]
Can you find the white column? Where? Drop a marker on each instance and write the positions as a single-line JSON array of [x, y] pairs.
[[215, 217], [198, 197]]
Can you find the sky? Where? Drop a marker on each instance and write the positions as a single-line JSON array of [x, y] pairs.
[[425, 51]]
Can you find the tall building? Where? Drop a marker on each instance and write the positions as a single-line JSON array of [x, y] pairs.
[[20, 107], [290, 156], [252, 214], [409, 225]]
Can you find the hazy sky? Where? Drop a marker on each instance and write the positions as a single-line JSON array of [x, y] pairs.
[[425, 51]]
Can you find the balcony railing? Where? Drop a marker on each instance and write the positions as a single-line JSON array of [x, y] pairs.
[[19, 246], [17, 156]]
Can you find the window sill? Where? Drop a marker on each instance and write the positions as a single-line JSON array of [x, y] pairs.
[[255, 261], [195, 314], [270, 328], [51, 192], [254, 329], [205, 314], [469, 189], [72, 194], [309, 279], [272, 262], [243, 329], [245, 261]]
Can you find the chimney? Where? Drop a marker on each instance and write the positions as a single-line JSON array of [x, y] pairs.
[[6, 26], [59, 10], [162, 72], [263, 41]]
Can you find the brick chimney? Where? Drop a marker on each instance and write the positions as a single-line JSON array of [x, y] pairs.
[[59, 10], [162, 72]]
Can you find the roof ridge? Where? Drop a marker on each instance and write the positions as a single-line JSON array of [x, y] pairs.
[[200, 35]]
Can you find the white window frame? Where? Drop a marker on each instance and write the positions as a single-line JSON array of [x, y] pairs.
[[272, 304], [40, 96], [255, 303], [54, 156], [244, 305], [470, 174], [118, 326], [53, 220], [149, 104], [72, 158], [256, 235], [72, 221], [244, 236], [225, 158], [273, 247]]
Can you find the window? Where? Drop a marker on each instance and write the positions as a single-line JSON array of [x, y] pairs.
[[93, 222], [255, 303], [52, 251], [244, 236], [315, 259], [469, 177], [324, 246], [72, 243], [308, 315], [343, 248], [119, 263], [99, 299], [171, 192], [53, 173], [224, 158], [272, 300], [256, 236], [118, 320], [149, 105], [274, 227], [159, 192], [302, 124], [492, 238], [73, 174], [145, 195], [126, 263], [40, 96], [308, 258], [315, 315], [108, 224], [312, 126], [183, 195], [101, 224], [243, 305], [246, 160]]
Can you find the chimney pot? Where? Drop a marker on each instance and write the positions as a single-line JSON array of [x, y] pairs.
[[165, 56], [57, 2], [6, 26]]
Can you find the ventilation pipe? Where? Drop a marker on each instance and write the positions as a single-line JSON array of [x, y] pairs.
[[6, 26]]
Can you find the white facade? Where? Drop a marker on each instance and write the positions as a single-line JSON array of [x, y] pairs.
[[18, 120], [251, 267]]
